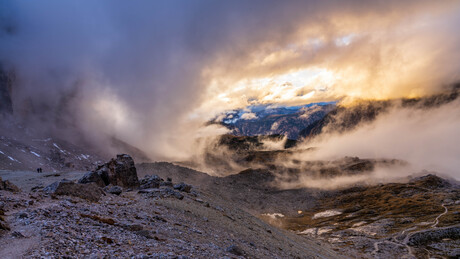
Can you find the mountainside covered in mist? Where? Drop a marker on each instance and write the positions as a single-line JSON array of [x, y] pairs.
[[27, 145], [307, 121], [346, 118]]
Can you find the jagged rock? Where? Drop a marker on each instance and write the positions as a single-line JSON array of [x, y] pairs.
[[120, 171], [100, 178], [168, 182], [23, 215], [115, 190], [183, 187], [161, 193], [88, 191], [4, 226], [8, 186], [151, 181], [36, 188], [236, 250], [432, 235]]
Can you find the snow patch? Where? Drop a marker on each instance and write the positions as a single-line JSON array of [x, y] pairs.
[[327, 213], [316, 231], [274, 215], [309, 231], [83, 156], [35, 153], [324, 230], [12, 159], [1, 152], [61, 150]]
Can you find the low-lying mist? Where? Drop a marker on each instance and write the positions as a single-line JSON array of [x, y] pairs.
[[426, 138], [402, 141]]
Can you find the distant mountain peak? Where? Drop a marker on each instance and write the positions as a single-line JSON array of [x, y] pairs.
[[269, 119]]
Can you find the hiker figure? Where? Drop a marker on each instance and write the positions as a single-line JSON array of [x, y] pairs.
[[41, 170], [38, 170]]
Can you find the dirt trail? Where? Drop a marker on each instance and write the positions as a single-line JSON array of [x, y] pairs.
[[405, 241], [436, 221]]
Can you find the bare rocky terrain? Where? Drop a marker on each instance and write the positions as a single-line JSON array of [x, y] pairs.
[[157, 219], [167, 210], [415, 218]]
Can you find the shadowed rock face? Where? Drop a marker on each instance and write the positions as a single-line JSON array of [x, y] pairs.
[[120, 172], [90, 192]]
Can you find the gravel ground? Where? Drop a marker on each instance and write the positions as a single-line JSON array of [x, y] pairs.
[[152, 224]]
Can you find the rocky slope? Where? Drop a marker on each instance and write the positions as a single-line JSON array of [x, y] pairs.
[[24, 149], [158, 219], [413, 219]]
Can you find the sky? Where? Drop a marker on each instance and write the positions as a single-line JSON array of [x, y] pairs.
[[151, 73]]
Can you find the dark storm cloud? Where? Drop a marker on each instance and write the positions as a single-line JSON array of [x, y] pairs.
[[135, 69]]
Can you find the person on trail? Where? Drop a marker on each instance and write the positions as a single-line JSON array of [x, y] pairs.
[[38, 170]]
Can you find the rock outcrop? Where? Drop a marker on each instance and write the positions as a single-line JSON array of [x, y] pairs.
[[8, 186], [433, 235], [431, 181], [183, 187], [151, 181], [115, 190], [90, 191], [3, 224], [119, 172]]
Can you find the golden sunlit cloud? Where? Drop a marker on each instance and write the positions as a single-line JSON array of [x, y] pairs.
[[341, 56]]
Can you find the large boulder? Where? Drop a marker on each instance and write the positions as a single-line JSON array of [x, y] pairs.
[[89, 191], [8, 186], [99, 177], [119, 171]]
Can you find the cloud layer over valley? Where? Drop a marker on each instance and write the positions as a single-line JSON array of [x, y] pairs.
[[152, 73]]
